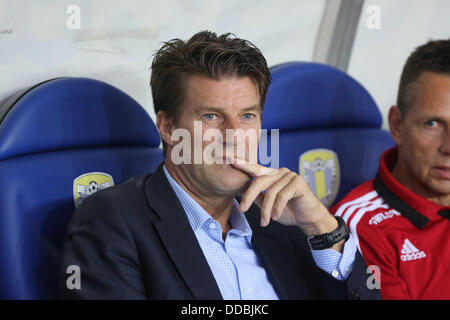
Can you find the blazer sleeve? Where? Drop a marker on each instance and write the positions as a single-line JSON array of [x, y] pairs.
[[327, 287], [100, 244], [358, 282]]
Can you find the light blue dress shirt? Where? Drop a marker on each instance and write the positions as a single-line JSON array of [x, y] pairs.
[[236, 267]]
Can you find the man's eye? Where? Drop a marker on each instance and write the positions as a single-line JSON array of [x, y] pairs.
[[248, 116], [210, 116], [431, 124]]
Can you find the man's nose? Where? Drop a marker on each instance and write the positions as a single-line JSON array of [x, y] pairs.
[[445, 143], [232, 132]]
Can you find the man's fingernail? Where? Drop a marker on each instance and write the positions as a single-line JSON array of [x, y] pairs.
[[263, 222], [242, 206]]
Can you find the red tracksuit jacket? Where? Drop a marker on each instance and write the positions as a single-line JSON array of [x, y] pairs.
[[404, 234]]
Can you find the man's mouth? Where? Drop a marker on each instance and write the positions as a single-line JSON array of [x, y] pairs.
[[442, 172]]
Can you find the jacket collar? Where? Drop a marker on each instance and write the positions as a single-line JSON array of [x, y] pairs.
[[183, 248], [417, 209], [179, 239]]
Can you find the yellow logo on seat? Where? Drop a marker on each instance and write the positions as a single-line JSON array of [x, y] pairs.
[[320, 169], [88, 184]]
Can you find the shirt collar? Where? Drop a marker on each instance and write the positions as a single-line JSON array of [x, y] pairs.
[[197, 216], [414, 207]]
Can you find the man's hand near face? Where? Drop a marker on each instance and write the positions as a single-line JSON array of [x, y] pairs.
[[285, 196]]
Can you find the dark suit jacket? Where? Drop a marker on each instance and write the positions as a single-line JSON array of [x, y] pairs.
[[134, 241]]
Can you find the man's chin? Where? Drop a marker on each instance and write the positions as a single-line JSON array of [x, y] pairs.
[[231, 179], [440, 188]]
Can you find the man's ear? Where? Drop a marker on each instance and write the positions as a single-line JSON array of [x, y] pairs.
[[165, 126], [395, 124]]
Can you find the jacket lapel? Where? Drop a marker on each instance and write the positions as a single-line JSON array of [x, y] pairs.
[[274, 250], [179, 238]]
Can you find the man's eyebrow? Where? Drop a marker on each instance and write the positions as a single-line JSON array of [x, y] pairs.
[[255, 107], [221, 110], [432, 117], [202, 109]]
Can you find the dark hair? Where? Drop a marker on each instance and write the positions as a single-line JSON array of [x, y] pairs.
[[208, 55], [433, 56]]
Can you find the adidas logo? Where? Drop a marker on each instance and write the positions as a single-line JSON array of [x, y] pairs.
[[410, 252]]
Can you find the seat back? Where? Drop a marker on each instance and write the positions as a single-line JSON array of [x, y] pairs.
[[329, 127], [61, 141]]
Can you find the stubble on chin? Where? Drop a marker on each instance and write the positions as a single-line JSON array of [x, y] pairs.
[[231, 182]]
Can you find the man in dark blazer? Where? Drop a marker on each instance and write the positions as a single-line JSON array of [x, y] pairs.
[[180, 233]]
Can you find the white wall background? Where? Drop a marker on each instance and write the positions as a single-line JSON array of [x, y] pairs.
[[118, 37], [379, 55]]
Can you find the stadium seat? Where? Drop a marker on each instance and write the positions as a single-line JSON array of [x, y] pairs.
[[61, 141], [329, 128]]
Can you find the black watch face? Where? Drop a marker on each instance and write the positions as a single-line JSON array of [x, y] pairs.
[[327, 240]]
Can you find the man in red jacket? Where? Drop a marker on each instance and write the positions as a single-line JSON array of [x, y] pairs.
[[401, 219]]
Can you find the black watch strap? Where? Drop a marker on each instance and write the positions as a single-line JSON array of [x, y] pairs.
[[327, 240]]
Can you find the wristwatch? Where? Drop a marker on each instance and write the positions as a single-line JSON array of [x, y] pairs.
[[327, 240]]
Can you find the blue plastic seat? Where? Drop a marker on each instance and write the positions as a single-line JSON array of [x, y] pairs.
[[61, 141], [329, 127]]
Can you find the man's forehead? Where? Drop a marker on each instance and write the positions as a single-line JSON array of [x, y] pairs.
[[432, 94], [225, 83], [433, 79], [236, 92]]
